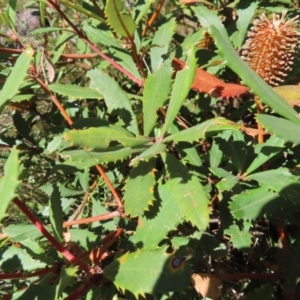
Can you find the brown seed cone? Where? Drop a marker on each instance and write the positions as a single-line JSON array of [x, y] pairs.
[[271, 47], [206, 41]]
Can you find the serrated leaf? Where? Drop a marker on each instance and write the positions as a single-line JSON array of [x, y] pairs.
[[277, 180], [187, 192], [254, 204], [116, 51], [67, 277], [16, 77], [148, 271], [207, 17], [34, 291], [85, 159], [101, 137], [79, 7], [244, 17], [74, 91], [139, 188], [83, 237], [99, 209], [189, 153], [278, 195], [115, 98], [181, 88], [161, 41], [215, 155], [21, 232], [156, 90], [236, 152], [287, 130], [162, 218], [228, 180], [250, 78], [265, 152], [118, 18], [22, 126], [14, 258], [9, 182], [156, 148], [241, 239], [55, 214], [212, 126]]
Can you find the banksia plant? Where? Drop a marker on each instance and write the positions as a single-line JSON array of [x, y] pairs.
[[271, 47]]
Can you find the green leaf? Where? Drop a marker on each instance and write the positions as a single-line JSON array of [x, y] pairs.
[[149, 271], [250, 78], [160, 42], [278, 195], [14, 258], [67, 277], [79, 7], [99, 209], [228, 180], [215, 155], [49, 29], [85, 159], [154, 227], [156, 90], [55, 214], [187, 192], [139, 188], [101, 137], [241, 239], [22, 126], [156, 148], [244, 18], [254, 204], [83, 237], [34, 291], [189, 153], [236, 152], [120, 21], [208, 17], [279, 180], [9, 182], [265, 152], [21, 232], [74, 91], [212, 126], [16, 77], [145, 5], [116, 51], [115, 98], [285, 129], [181, 88]]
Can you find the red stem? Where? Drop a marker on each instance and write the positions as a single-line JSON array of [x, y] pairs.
[[80, 291], [103, 217], [68, 255], [94, 47], [20, 275]]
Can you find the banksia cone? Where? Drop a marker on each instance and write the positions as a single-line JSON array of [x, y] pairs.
[[206, 41], [271, 47]]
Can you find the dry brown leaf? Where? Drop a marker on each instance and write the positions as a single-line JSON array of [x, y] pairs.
[[206, 285]]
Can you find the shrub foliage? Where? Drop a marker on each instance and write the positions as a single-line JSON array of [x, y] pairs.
[[142, 157]]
